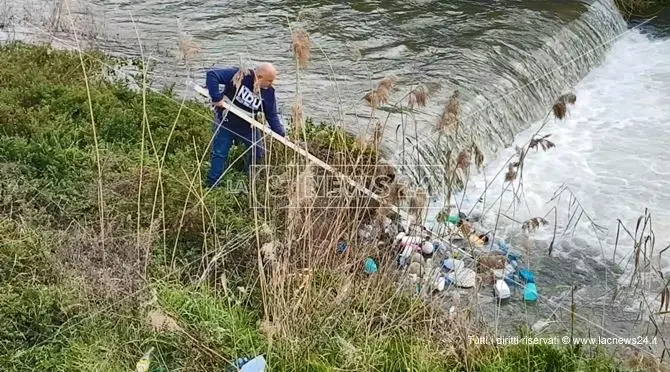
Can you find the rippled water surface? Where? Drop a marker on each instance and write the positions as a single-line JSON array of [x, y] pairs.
[[508, 59]]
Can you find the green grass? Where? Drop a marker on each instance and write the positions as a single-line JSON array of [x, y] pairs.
[[70, 301]]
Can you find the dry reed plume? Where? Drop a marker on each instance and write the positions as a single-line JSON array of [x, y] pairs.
[[463, 160], [451, 114], [418, 204], [188, 48], [377, 135], [512, 171], [479, 156], [418, 96], [559, 109], [239, 77], [541, 142], [380, 96], [297, 116], [302, 47]]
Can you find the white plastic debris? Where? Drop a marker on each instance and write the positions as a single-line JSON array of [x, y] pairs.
[[406, 252], [540, 325], [453, 264], [464, 278], [258, 364], [399, 237], [411, 239], [427, 247], [440, 283], [501, 289]]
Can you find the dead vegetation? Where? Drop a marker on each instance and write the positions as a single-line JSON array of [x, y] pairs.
[[114, 270], [302, 47], [381, 95], [560, 109], [450, 119], [632, 9]]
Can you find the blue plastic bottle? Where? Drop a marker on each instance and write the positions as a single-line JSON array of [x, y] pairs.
[[342, 246], [370, 265]]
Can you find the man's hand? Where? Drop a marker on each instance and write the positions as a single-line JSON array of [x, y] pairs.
[[219, 104]]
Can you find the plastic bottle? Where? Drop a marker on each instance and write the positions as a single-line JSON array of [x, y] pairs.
[[342, 246], [144, 362], [257, 364], [427, 248], [370, 265]]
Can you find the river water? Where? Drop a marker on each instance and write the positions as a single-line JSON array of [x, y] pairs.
[[610, 162], [509, 60]]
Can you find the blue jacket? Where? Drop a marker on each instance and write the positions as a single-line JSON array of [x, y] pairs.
[[245, 99]]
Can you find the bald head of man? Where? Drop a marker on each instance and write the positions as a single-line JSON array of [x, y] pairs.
[[266, 73]]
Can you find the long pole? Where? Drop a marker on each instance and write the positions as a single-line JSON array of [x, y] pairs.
[[246, 117], [286, 142]]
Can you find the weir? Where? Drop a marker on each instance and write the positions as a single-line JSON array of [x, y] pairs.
[[529, 81]]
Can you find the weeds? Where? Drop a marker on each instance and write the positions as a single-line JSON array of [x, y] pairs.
[[640, 8]]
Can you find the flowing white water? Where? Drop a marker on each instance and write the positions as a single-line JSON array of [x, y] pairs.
[[497, 107], [611, 151]]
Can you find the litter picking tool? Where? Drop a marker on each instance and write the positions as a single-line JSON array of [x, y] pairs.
[[286, 142]]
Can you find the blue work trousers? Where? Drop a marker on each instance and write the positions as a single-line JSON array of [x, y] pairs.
[[224, 138]]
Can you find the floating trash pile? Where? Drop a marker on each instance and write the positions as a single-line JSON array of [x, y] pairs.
[[463, 258]]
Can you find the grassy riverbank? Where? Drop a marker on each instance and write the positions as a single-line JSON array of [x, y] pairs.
[[110, 247]]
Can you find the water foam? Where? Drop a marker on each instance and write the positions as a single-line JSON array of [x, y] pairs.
[[610, 151], [528, 80]]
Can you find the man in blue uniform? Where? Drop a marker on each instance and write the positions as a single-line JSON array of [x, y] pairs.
[[228, 128]]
